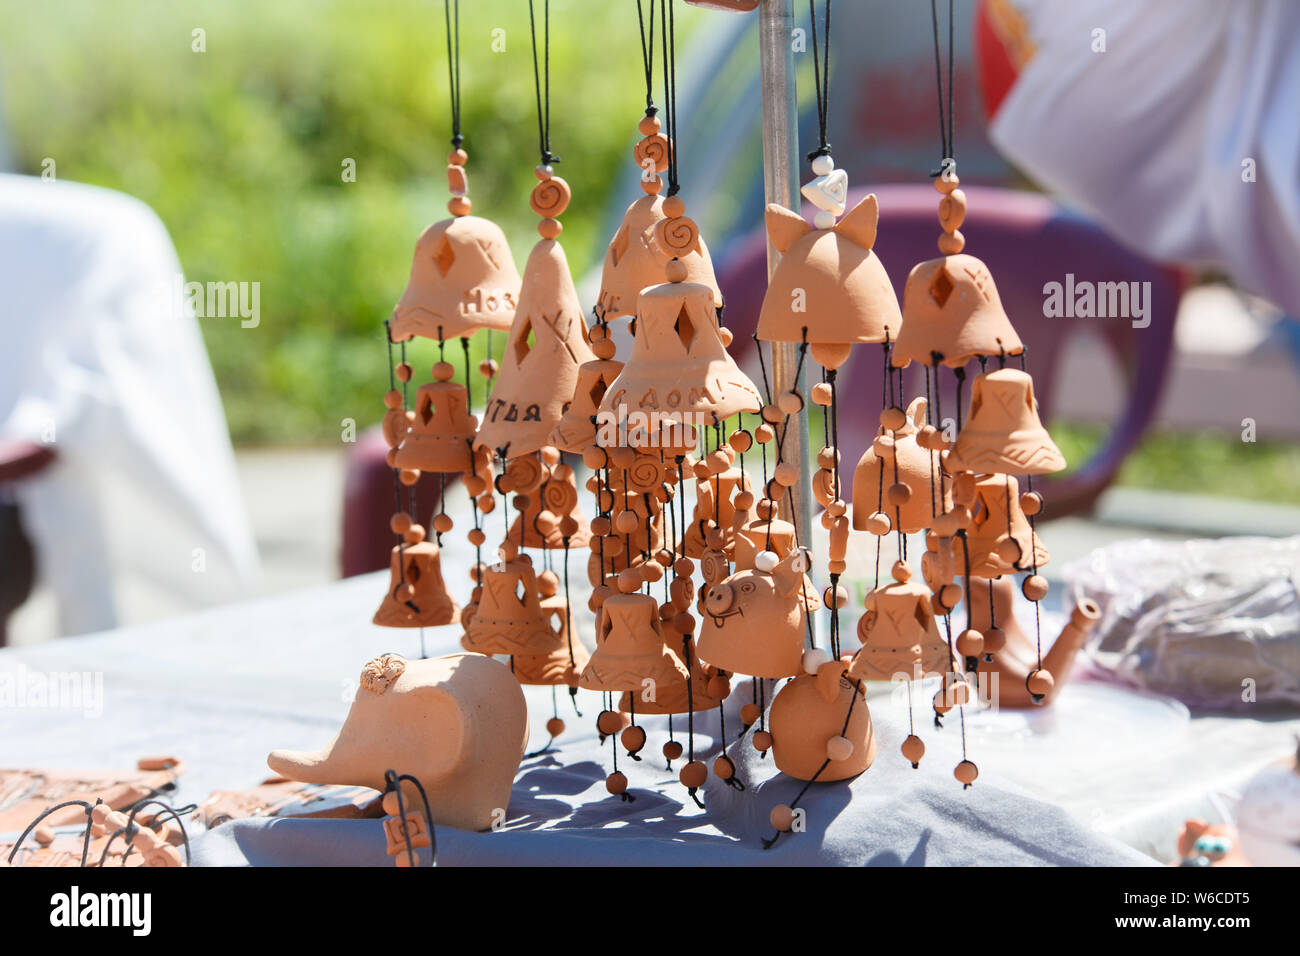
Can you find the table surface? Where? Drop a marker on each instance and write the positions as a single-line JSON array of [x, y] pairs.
[[1106, 776]]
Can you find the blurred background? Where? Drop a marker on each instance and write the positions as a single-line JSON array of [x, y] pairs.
[[240, 148]]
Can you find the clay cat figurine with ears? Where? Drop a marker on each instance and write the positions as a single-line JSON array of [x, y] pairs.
[[830, 289]]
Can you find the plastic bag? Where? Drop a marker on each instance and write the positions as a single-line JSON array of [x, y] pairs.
[[1214, 623]]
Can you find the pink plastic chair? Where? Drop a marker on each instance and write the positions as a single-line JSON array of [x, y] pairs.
[[1027, 241]]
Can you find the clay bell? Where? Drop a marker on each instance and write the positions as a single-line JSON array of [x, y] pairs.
[[904, 462], [441, 434], [417, 596], [576, 430], [999, 535], [820, 717], [509, 618], [630, 648], [1002, 433], [830, 288], [679, 367], [634, 261], [539, 367], [458, 724], [674, 697], [899, 634], [754, 620], [566, 658], [951, 307], [463, 278]]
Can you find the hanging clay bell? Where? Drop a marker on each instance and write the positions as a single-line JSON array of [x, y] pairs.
[[895, 458], [441, 433], [1002, 433], [754, 620], [463, 278], [458, 724], [539, 368], [634, 260], [830, 289], [675, 697], [821, 719], [417, 595], [576, 430], [679, 367], [951, 307], [899, 634], [564, 662], [630, 648], [1000, 538], [509, 618]]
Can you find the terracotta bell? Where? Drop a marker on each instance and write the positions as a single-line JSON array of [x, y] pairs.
[[634, 261], [679, 366], [566, 658], [509, 618], [999, 535], [897, 458], [951, 307], [441, 434], [830, 288], [539, 367], [899, 634], [463, 278], [458, 724], [822, 717], [417, 595], [630, 647], [674, 698], [1002, 433], [576, 431], [754, 620]]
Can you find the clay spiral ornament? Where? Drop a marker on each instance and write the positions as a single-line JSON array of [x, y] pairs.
[[677, 236], [645, 475], [525, 473], [550, 197], [655, 148], [559, 497]]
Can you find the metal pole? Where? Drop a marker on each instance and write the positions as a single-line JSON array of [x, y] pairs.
[[781, 185]]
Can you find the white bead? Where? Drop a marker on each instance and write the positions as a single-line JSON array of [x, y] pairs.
[[824, 219], [822, 165], [814, 658], [839, 748], [766, 561]]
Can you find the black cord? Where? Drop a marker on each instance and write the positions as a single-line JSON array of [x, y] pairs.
[[670, 91], [542, 81], [821, 77], [648, 55], [453, 68], [946, 144]]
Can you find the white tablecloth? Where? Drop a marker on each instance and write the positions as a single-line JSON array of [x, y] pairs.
[[1102, 776]]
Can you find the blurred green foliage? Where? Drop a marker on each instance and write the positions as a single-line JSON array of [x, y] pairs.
[[1202, 462], [240, 150]]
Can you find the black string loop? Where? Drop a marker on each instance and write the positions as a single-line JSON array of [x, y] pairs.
[[821, 76], [453, 67], [542, 80]]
